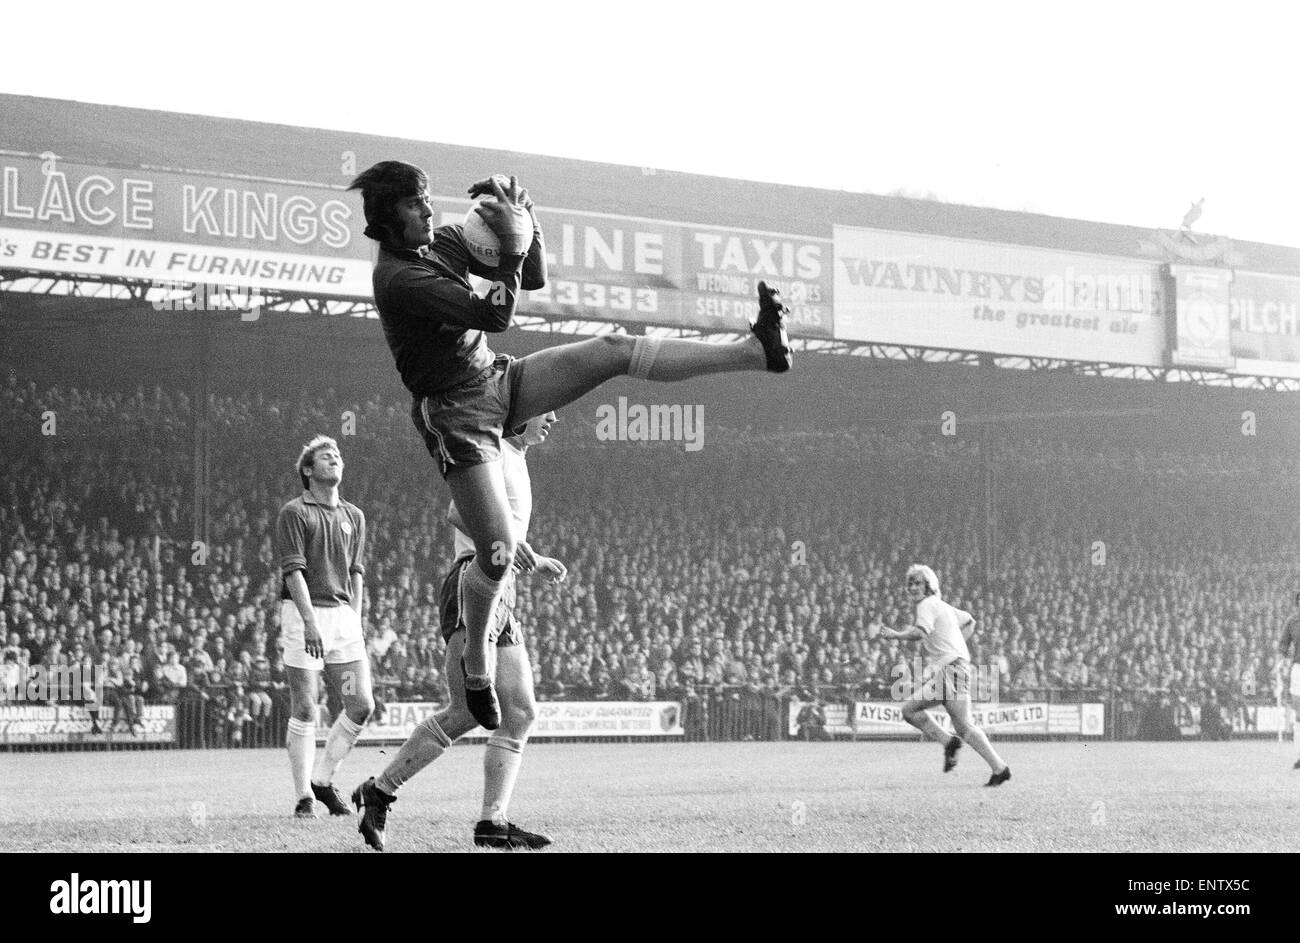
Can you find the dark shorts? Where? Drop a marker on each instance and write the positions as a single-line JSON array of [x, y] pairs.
[[464, 425], [504, 631]]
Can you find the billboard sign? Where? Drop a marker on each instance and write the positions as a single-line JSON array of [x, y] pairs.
[[1264, 323], [1201, 329], [554, 719], [174, 227], [957, 294], [624, 268], [74, 219]]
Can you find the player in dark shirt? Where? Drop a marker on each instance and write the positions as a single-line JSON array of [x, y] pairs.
[[466, 398], [320, 541]]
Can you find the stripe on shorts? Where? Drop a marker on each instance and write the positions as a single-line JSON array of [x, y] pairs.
[[442, 448]]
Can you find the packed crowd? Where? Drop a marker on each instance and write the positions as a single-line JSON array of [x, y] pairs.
[[766, 561]]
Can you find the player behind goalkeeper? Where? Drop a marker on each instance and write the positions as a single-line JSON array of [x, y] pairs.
[[511, 670]]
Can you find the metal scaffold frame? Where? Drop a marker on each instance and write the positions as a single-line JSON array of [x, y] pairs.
[[39, 283]]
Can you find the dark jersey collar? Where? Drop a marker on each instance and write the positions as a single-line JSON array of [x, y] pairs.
[[413, 255], [309, 498]]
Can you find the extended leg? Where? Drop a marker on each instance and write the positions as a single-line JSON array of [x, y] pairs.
[[504, 754], [917, 714], [959, 711], [426, 743], [556, 377]]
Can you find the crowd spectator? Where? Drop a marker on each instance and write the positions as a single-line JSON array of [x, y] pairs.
[[1214, 723], [10, 673], [811, 721], [172, 678], [681, 575], [259, 685]]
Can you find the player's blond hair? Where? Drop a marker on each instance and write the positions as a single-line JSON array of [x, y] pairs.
[[308, 455], [927, 574]]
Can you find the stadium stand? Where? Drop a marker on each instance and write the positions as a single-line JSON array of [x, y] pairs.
[[731, 581]]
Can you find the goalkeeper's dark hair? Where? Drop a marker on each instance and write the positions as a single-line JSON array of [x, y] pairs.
[[382, 187]]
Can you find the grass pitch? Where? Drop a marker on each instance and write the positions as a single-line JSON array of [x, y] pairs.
[[674, 797]]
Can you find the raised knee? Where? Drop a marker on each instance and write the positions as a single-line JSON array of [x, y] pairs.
[[360, 709], [519, 719], [612, 353], [616, 343]]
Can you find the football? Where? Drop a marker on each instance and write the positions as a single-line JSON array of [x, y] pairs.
[[481, 241]]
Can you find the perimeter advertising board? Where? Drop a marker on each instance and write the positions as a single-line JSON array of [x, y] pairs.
[[885, 719], [554, 719], [63, 723]]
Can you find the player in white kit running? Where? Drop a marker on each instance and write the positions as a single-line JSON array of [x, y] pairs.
[[943, 630]]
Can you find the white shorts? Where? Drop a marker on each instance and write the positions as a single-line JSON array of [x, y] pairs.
[[340, 632], [1295, 679]]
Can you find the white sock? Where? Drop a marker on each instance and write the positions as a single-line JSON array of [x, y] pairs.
[[645, 350], [426, 743], [1295, 731], [977, 739], [343, 735], [668, 359], [501, 762], [301, 740]]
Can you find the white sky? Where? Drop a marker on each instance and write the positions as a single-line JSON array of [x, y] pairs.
[[1121, 112]]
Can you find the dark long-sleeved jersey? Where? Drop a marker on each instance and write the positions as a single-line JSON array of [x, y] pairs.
[[433, 320]]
